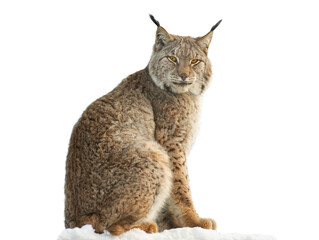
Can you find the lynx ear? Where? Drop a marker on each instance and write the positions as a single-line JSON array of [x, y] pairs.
[[162, 36], [204, 42]]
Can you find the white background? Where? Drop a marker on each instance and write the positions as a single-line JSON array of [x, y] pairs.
[[254, 165]]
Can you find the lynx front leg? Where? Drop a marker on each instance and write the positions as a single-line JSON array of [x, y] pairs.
[[181, 201]]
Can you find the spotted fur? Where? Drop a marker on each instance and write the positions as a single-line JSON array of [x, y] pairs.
[[126, 164]]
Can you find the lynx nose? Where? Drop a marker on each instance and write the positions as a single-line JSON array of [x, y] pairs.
[[183, 76]]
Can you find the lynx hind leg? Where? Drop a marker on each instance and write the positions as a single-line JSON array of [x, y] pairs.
[[142, 191], [94, 220]]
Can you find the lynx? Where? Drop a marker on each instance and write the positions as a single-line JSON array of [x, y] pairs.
[[126, 164]]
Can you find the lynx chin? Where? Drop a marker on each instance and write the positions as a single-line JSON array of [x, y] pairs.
[[126, 164]]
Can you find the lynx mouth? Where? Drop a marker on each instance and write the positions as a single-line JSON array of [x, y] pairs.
[[182, 84]]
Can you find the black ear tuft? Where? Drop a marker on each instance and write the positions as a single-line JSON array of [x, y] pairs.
[[154, 20], [216, 25]]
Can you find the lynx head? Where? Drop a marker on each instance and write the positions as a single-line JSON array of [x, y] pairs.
[[180, 64]]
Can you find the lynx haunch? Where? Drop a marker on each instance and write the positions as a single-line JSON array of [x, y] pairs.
[[126, 165]]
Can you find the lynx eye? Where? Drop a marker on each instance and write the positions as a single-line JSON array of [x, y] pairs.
[[172, 59], [195, 61]]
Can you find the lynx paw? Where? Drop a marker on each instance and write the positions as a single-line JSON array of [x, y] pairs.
[[150, 227], [207, 223], [119, 228]]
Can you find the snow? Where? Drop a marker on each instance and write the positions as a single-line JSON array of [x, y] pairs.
[[87, 233]]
